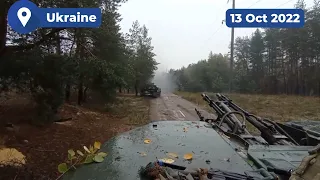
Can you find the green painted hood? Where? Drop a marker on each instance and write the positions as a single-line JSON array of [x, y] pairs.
[[124, 160]]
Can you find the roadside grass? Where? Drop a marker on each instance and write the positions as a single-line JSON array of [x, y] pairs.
[[280, 108], [134, 110]]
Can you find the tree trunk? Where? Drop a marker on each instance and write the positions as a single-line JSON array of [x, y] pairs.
[[120, 90], [68, 92], [136, 88], [80, 90], [319, 88], [80, 54], [85, 94], [128, 90]]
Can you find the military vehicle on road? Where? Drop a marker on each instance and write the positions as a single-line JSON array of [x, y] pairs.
[[221, 148], [150, 90]]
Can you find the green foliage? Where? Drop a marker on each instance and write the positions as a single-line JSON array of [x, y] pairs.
[[89, 156], [63, 167], [98, 158], [206, 75], [141, 56]]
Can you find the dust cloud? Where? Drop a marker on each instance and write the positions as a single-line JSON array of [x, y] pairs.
[[164, 80]]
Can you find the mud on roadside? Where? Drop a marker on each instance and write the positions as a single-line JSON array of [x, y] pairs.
[[45, 147]]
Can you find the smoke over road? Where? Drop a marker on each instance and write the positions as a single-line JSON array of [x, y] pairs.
[[165, 81]]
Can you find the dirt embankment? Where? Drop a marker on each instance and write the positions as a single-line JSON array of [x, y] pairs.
[[45, 147]]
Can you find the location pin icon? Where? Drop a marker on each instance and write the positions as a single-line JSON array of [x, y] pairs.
[[24, 15]]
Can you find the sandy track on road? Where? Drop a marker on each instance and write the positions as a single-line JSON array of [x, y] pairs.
[[172, 107]]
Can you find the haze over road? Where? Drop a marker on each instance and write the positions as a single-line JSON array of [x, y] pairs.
[[172, 107]]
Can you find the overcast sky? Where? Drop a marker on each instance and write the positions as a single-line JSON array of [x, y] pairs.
[[185, 31]]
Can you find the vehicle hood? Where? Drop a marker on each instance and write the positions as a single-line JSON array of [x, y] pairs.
[[124, 159]]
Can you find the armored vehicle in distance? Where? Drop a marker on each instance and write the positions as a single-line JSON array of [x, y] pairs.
[[150, 90]]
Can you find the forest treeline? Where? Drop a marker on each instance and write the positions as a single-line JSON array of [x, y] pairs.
[[271, 61], [53, 64]]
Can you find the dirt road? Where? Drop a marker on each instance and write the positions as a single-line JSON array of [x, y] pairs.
[[172, 107]]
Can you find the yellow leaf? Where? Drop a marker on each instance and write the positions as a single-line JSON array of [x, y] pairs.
[[86, 149], [97, 145], [188, 156], [185, 129], [10, 155], [167, 160], [147, 141], [143, 154], [173, 155]]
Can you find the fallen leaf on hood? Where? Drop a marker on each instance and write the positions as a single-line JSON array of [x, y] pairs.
[[147, 141], [167, 160], [185, 129], [188, 156], [172, 155]]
